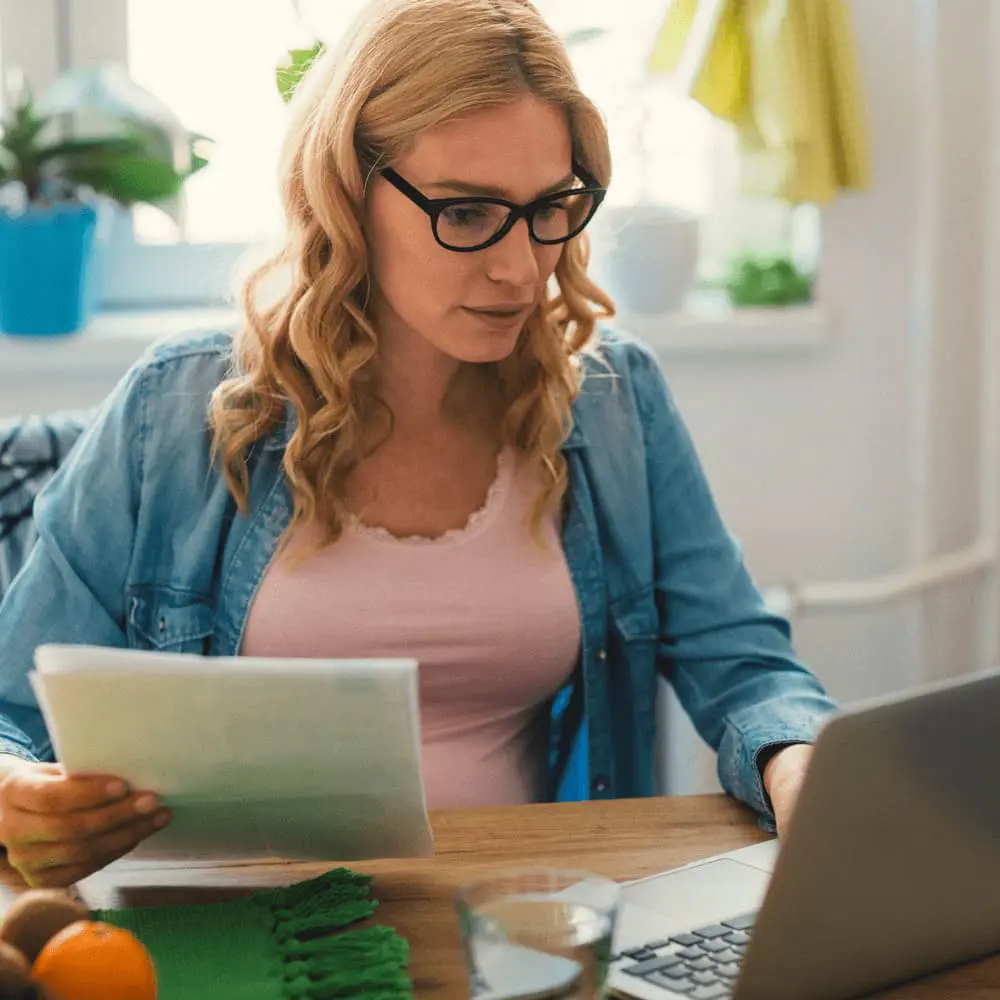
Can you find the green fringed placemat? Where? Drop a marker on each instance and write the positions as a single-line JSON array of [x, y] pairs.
[[274, 945]]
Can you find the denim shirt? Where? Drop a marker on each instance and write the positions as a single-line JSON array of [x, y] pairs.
[[140, 545]]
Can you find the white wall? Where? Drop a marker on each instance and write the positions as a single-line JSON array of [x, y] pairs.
[[862, 459]]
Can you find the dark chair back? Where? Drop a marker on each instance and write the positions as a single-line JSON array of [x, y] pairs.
[[30, 452]]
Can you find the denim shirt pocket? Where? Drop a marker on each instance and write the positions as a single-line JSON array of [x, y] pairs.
[[633, 640], [634, 617], [169, 621]]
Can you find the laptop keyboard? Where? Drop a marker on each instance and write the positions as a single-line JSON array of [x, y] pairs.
[[702, 964]]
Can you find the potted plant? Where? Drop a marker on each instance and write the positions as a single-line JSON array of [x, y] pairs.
[[759, 280], [93, 138]]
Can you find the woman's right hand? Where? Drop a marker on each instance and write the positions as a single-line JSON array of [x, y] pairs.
[[59, 829]]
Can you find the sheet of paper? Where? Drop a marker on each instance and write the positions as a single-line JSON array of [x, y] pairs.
[[296, 759]]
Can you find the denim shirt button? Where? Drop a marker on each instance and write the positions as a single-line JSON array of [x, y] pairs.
[[162, 624], [602, 654], [600, 785]]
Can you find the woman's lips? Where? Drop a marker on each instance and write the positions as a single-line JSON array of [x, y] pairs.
[[501, 318]]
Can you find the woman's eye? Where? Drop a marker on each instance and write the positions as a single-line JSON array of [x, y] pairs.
[[464, 215], [547, 212]]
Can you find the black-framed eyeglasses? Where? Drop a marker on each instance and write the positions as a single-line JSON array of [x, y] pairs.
[[468, 224]]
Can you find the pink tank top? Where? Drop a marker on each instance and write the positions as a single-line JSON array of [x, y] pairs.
[[490, 615]]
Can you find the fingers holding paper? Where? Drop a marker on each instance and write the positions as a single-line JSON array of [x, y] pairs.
[[58, 829]]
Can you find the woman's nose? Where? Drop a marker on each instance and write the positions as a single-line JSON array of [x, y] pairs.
[[513, 260]]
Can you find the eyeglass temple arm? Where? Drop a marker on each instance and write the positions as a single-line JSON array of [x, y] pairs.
[[406, 188], [585, 175]]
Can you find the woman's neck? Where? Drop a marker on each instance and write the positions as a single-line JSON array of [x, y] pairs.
[[425, 388]]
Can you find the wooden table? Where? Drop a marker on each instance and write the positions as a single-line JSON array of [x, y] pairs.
[[623, 840]]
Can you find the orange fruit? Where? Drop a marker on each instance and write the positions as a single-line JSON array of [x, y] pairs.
[[93, 961]]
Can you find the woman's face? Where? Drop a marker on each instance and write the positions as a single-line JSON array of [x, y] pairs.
[[468, 306]]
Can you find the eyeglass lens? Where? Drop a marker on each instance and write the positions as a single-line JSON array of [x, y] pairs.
[[470, 224]]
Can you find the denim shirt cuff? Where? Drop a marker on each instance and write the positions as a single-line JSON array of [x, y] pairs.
[[11, 749], [795, 717], [740, 773]]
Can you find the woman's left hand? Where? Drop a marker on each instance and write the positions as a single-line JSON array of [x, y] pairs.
[[783, 777]]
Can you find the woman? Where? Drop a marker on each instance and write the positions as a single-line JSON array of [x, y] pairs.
[[421, 447]]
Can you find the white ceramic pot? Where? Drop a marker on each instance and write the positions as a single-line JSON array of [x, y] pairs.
[[645, 256]]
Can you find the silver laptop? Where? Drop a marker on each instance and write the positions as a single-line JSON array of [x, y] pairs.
[[891, 868]]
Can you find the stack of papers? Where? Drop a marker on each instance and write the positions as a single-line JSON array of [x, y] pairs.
[[278, 758]]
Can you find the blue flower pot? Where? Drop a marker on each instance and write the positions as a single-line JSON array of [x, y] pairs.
[[46, 269]]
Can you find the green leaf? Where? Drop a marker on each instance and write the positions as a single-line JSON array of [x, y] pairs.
[[129, 168], [129, 179], [160, 146], [199, 149], [76, 149], [21, 132], [290, 74], [197, 163], [8, 165], [132, 154], [767, 281]]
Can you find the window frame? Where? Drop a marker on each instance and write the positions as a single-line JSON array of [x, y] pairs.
[[143, 276], [47, 37]]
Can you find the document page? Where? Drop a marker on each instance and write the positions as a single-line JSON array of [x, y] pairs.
[[281, 758]]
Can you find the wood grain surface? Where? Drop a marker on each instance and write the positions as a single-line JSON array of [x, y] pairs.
[[619, 839]]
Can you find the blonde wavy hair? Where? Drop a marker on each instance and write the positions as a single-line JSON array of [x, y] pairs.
[[407, 66]]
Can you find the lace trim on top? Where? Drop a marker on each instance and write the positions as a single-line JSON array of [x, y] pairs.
[[478, 520]]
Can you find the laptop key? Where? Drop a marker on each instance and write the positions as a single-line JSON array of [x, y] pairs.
[[691, 953], [704, 978], [663, 943], [717, 992], [737, 937], [712, 931], [714, 946], [640, 954], [743, 923], [701, 964], [730, 971], [677, 984], [653, 965], [686, 940], [727, 956]]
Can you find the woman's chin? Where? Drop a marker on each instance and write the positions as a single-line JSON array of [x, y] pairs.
[[485, 346]]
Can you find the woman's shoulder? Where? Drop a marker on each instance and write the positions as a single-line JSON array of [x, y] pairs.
[[207, 354], [161, 404], [175, 378], [616, 356], [621, 371]]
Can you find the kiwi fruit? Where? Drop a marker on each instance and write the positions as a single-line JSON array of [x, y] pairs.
[[37, 915], [15, 978]]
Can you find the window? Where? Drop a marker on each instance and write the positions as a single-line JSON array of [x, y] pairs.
[[219, 78], [239, 107], [220, 81]]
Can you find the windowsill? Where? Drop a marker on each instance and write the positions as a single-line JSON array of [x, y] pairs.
[[109, 345], [707, 329], [114, 340]]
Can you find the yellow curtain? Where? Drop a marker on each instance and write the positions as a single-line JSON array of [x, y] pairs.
[[784, 72]]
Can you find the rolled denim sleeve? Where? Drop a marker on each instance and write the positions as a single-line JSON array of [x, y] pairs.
[[730, 660], [71, 586]]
